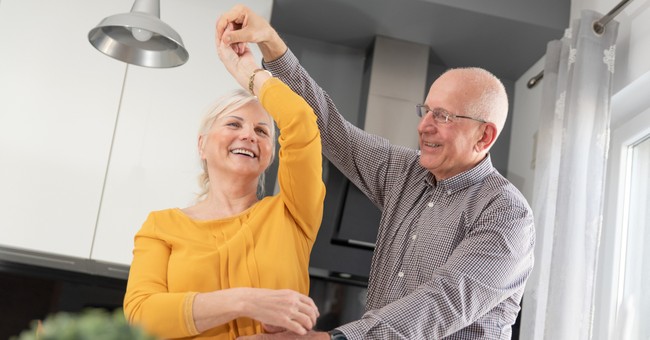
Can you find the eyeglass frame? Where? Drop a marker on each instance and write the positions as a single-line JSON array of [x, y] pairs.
[[441, 113]]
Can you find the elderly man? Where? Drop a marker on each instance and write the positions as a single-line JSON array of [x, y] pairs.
[[455, 241]]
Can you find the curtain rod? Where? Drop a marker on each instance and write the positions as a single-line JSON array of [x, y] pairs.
[[598, 27]]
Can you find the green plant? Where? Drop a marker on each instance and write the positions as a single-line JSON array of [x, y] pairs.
[[91, 324]]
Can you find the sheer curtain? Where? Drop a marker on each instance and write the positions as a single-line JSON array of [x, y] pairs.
[[572, 144]]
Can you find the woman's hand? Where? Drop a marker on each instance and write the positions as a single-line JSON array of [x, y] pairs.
[[281, 310], [238, 60]]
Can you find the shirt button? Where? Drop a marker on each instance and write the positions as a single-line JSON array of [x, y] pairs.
[[400, 274], [430, 204], [448, 192], [414, 237]]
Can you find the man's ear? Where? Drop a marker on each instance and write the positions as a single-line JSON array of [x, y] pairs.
[[487, 138]]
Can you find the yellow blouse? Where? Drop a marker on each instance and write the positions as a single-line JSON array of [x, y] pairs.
[[267, 246]]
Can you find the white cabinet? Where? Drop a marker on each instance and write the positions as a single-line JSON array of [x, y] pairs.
[[78, 171], [58, 102]]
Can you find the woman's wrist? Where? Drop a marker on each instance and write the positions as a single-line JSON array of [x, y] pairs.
[[257, 79], [242, 301], [215, 308]]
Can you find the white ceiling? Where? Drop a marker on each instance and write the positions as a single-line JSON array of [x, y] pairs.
[[503, 36]]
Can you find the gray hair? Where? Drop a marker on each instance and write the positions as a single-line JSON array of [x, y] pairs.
[[491, 103]]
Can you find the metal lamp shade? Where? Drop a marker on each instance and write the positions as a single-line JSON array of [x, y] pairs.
[[139, 38]]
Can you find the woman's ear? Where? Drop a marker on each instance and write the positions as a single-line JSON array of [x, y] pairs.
[[487, 138], [200, 147]]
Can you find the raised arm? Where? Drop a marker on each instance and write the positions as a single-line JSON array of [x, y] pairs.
[[300, 166], [367, 160]]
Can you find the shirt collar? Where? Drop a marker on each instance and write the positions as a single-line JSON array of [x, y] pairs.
[[464, 179]]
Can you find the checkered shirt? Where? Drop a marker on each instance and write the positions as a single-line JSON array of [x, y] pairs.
[[452, 256]]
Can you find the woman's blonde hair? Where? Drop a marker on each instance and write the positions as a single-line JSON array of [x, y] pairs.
[[223, 106]]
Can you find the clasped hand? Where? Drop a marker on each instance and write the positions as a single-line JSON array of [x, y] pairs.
[[285, 309]]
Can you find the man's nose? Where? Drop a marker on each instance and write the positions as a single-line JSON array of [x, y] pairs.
[[427, 123]]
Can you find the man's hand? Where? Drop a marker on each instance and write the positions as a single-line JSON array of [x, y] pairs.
[[272, 329], [248, 27]]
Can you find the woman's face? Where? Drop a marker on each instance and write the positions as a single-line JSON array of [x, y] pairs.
[[240, 142]]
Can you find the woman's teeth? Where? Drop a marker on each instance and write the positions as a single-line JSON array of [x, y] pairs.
[[243, 152]]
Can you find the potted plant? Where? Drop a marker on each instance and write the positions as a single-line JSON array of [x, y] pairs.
[[92, 324]]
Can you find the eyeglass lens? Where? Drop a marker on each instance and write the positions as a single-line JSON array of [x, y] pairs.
[[438, 115]]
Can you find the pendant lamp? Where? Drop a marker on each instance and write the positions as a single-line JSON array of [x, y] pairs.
[[140, 37]]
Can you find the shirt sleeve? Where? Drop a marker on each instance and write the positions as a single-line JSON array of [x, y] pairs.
[[364, 158], [147, 301], [300, 170]]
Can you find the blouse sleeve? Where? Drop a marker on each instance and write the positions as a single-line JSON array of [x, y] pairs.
[[148, 302], [367, 160], [300, 160]]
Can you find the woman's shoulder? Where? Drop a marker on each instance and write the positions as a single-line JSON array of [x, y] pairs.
[[164, 212], [165, 215]]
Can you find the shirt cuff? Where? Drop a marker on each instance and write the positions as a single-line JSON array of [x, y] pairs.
[[357, 330], [282, 65]]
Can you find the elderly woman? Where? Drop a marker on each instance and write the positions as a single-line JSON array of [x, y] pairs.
[[236, 264]]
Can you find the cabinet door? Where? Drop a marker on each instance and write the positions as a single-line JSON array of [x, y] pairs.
[[58, 104], [154, 163]]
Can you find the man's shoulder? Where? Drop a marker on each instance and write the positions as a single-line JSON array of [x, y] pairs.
[[500, 188]]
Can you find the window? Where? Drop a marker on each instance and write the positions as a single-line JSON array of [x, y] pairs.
[[622, 305], [633, 302]]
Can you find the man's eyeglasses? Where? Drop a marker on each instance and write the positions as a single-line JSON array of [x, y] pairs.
[[440, 115]]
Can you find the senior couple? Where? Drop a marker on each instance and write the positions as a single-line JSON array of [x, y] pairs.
[[455, 241]]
